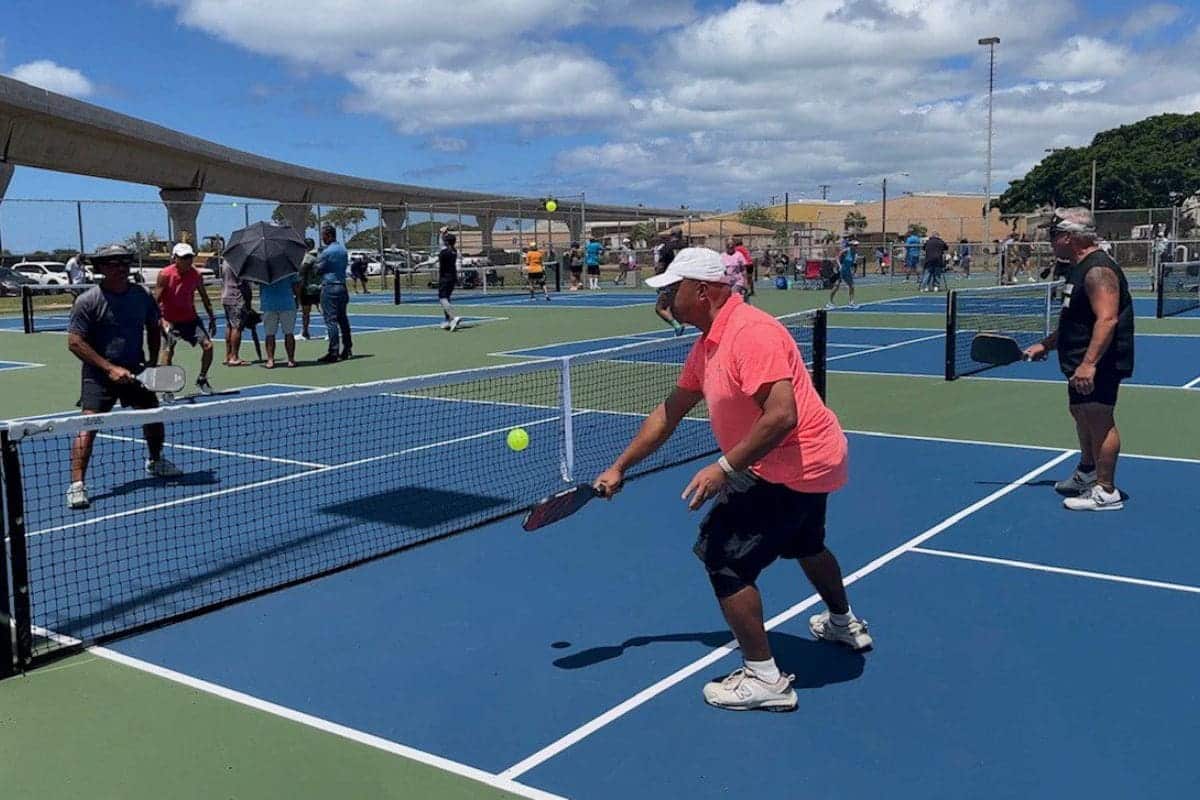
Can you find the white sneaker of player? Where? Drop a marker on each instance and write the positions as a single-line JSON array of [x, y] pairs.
[[77, 496], [856, 635], [1096, 500], [446, 325], [162, 468], [1077, 484], [742, 690], [454, 323]]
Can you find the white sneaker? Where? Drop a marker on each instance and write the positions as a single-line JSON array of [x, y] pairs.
[[454, 323], [856, 635], [830, 306], [742, 690], [77, 496], [852, 306], [162, 468], [446, 325], [1096, 500], [1077, 484]]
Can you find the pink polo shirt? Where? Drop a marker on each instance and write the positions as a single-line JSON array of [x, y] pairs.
[[745, 350]]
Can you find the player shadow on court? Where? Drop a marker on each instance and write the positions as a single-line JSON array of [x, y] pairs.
[[203, 477], [814, 663]]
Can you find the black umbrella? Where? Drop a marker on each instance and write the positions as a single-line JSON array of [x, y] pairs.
[[264, 253]]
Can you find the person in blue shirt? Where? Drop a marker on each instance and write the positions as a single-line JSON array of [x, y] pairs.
[[279, 300], [591, 259], [847, 259], [335, 298], [912, 254]]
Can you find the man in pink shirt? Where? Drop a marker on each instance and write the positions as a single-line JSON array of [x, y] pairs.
[[783, 452], [735, 268]]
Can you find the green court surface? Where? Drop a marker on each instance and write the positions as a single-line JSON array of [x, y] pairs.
[[91, 726]]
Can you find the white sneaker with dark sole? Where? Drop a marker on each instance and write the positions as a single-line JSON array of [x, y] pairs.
[[856, 635], [454, 323], [1096, 500], [77, 496], [1077, 484], [742, 690]]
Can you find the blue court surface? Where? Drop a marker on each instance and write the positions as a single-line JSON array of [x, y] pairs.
[[612, 298], [1021, 650], [258, 390], [1163, 360], [359, 323], [1143, 307]]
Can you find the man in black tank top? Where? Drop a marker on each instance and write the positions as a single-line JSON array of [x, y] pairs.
[[1095, 351]]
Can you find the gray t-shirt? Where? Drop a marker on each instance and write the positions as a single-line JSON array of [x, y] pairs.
[[113, 323], [234, 290]]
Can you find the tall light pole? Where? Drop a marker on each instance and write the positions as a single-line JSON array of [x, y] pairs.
[[990, 43]]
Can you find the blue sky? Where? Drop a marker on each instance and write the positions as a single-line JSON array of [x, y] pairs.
[[704, 103]]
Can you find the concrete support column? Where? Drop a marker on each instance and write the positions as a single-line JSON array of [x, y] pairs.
[[6, 173], [183, 208], [575, 224], [393, 221], [296, 215], [487, 224]]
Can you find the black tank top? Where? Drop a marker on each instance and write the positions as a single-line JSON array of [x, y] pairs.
[[1077, 320]]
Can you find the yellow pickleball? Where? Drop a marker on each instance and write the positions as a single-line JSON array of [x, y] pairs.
[[551, 206], [518, 439]]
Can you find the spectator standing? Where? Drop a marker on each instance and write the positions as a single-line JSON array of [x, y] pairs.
[[176, 290], [310, 287], [279, 301], [335, 298], [236, 296], [912, 254], [75, 270], [935, 260], [591, 259]]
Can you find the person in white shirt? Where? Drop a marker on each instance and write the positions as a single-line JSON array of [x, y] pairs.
[[75, 270]]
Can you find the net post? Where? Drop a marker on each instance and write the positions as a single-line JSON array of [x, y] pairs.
[[7, 621], [820, 339], [1158, 292], [27, 309], [565, 401], [14, 525], [951, 333]]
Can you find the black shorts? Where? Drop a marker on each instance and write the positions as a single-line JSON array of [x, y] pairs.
[[191, 332], [746, 531], [593, 269], [100, 395], [310, 298], [1107, 383], [537, 279], [445, 287]]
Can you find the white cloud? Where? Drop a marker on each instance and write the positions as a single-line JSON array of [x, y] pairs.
[[447, 144], [1150, 18], [53, 77], [1084, 57]]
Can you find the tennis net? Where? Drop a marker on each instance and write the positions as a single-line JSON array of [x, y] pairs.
[[1178, 288], [1021, 311], [278, 490], [48, 308], [477, 284]]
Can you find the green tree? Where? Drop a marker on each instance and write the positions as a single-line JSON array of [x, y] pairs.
[[917, 228], [345, 219], [855, 221], [642, 233], [1153, 163], [142, 243], [310, 218]]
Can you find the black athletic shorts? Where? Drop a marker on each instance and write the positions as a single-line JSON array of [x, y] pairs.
[[446, 287], [100, 395], [310, 298], [746, 531], [1105, 391], [191, 332], [537, 279]]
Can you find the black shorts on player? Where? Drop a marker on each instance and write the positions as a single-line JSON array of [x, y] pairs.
[[100, 395], [191, 332], [746, 531], [445, 286], [1104, 391]]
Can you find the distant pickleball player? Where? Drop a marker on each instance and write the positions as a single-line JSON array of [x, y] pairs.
[[108, 323], [912, 254], [535, 272], [783, 452], [1095, 342], [665, 254], [592, 253], [448, 279], [178, 285], [847, 259]]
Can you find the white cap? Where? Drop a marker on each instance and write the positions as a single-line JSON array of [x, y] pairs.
[[697, 263], [182, 250]]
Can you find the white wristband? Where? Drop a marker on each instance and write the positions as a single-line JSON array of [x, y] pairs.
[[723, 462]]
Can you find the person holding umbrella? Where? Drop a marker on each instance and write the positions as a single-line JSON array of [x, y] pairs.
[[270, 255]]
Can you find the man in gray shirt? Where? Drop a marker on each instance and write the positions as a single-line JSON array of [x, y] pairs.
[[236, 296], [105, 333]]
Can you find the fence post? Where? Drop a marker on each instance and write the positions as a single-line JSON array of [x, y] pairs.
[[14, 525]]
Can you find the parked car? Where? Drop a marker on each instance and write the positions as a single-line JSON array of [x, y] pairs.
[[46, 273], [12, 281]]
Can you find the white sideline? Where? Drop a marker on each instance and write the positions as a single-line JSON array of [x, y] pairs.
[[1079, 573], [619, 710], [218, 452]]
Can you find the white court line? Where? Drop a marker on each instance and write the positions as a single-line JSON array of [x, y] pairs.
[[218, 452], [879, 348], [644, 696], [282, 478], [1079, 573], [921, 438], [1192, 383], [986, 377], [308, 720], [11, 365]]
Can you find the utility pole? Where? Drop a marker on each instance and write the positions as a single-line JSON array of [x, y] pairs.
[[824, 187], [990, 43], [1093, 206]]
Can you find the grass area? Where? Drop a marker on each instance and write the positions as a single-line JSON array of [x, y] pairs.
[[132, 735]]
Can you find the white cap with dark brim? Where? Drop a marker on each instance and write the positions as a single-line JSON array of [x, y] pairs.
[[182, 250], [696, 263]]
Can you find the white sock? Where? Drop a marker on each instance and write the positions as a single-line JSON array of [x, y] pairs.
[[763, 669], [842, 620]]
